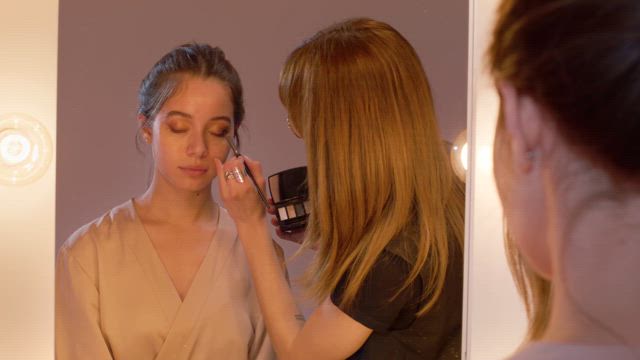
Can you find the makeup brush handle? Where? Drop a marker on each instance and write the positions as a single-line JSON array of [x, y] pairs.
[[253, 180]]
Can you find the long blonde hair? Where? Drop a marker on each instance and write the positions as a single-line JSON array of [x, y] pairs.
[[377, 166]]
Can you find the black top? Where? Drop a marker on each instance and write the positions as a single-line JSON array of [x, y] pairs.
[[397, 333]]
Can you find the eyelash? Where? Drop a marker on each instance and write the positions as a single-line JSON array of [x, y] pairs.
[[222, 133]]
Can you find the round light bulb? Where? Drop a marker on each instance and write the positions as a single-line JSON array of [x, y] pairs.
[[14, 148], [25, 149], [460, 155]]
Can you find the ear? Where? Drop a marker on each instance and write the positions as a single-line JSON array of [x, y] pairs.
[[523, 123], [146, 130]]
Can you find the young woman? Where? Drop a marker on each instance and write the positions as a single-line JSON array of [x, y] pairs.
[[163, 276], [568, 171], [386, 209]]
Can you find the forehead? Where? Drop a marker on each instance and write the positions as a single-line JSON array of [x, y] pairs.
[[189, 85], [198, 94]]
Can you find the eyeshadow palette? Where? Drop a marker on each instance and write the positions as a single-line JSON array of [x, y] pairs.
[[290, 196]]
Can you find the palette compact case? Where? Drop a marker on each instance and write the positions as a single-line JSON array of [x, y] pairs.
[[290, 196]]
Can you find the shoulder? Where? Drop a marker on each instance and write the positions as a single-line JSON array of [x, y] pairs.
[[405, 246], [556, 351], [384, 279], [83, 242]]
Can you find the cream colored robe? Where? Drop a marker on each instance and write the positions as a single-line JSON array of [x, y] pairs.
[[115, 300]]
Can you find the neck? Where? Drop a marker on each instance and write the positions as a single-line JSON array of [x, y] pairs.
[[596, 262], [163, 202]]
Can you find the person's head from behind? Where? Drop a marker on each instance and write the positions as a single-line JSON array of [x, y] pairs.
[[566, 155], [188, 103], [357, 94]]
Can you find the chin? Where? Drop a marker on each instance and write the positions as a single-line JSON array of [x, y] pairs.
[[194, 186]]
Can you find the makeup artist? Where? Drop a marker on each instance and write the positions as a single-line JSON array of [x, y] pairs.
[[163, 275], [567, 168], [386, 209]]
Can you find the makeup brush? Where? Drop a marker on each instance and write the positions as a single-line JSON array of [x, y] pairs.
[[236, 153]]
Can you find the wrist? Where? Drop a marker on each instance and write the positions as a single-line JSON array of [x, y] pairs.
[[252, 229], [252, 222]]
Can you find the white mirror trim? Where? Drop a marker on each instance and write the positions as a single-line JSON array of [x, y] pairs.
[[494, 317]]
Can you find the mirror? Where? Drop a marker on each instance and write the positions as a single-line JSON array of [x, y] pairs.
[[106, 48]]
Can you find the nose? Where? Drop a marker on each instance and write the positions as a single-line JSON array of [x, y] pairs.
[[197, 146]]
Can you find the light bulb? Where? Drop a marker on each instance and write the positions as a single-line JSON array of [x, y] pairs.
[[460, 155], [25, 149], [464, 157], [14, 148]]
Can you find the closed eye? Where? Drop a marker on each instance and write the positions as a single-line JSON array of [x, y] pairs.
[[177, 130], [220, 133]]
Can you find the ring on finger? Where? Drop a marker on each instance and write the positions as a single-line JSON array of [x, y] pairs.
[[228, 174], [238, 175]]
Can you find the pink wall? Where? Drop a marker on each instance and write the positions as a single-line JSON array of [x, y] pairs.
[[106, 47]]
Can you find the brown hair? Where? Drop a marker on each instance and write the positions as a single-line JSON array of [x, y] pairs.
[[201, 60], [358, 95], [580, 59]]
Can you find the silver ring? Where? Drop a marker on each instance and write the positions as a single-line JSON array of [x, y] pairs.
[[228, 175], [238, 175]]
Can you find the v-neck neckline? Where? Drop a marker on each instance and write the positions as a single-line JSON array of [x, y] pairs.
[[181, 317], [157, 266]]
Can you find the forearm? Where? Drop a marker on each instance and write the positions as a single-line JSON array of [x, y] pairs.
[[276, 301]]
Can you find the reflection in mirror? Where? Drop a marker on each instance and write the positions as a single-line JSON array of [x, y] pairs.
[[100, 168]]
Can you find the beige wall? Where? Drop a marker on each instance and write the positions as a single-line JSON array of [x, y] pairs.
[[106, 47]]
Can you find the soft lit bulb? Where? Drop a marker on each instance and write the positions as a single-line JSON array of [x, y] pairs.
[[14, 148], [460, 155], [25, 149], [464, 157]]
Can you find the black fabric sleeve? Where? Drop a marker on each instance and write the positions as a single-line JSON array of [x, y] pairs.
[[373, 306]]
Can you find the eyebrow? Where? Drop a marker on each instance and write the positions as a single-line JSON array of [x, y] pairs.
[[188, 116]]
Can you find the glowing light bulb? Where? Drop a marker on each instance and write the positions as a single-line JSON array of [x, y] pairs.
[[14, 148], [25, 149], [460, 155]]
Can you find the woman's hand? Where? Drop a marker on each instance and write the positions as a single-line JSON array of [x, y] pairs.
[[296, 236], [238, 194]]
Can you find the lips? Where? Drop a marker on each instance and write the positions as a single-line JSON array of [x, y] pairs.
[[194, 170]]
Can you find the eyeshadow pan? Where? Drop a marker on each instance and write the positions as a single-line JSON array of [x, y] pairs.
[[306, 207], [291, 211], [299, 209], [283, 213]]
